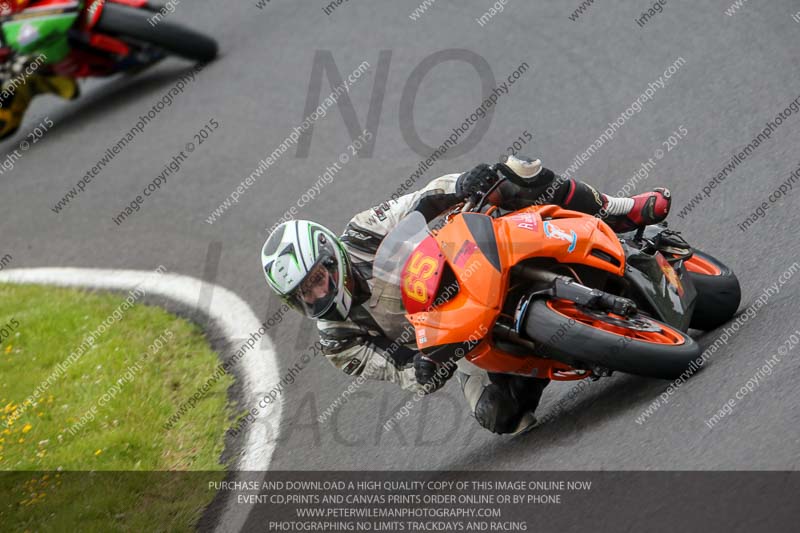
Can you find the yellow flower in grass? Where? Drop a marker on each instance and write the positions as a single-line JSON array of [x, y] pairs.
[[98, 452], [27, 427], [9, 348]]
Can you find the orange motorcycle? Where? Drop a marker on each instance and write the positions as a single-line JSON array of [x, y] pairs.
[[552, 293]]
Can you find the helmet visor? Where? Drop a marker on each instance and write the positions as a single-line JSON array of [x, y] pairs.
[[316, 294]]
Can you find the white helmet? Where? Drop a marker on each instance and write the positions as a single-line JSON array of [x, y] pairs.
[[306, 264]]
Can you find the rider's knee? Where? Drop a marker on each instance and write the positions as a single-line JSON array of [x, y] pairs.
[[497, 411]]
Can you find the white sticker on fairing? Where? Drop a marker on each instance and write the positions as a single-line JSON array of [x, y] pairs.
[[554, 232], [27, 34]]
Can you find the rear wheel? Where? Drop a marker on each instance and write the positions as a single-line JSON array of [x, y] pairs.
[[637, 345], [718, 291], [126, 21]]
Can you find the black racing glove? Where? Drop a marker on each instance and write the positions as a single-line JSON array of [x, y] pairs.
[[478, 180], [430, 374]]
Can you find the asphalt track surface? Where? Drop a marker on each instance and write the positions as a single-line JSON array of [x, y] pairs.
[[740, 71]]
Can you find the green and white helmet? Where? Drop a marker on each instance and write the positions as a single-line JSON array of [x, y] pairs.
[[306, 264]]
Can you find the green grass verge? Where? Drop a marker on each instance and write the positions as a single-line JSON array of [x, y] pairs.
[[104, 412]]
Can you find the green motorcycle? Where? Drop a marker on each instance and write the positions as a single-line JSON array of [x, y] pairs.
[[99, 37]]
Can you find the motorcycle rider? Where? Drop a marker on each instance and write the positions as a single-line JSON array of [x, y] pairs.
[[20, 81], [329, 278]]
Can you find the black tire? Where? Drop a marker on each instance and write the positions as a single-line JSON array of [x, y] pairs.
[[718, 296], [125, 21], [574, 342]]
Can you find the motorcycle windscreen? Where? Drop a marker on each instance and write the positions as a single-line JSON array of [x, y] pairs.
[[409, 260], [396, 248]]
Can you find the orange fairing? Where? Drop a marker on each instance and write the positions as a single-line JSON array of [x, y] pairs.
[[481, 288], [569, 237], [480, 251], [492, 359]]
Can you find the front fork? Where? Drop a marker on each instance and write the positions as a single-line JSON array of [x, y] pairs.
[[565, 288]]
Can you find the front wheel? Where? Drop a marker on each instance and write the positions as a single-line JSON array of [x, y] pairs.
[[636, 345], [126, 21]]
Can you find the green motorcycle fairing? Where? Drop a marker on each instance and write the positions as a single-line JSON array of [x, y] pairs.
[[43, 32]]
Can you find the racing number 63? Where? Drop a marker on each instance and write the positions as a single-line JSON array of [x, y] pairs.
[[419, 268]]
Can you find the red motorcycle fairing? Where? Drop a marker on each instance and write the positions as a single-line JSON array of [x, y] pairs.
[[94, 8], [421, 276]]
